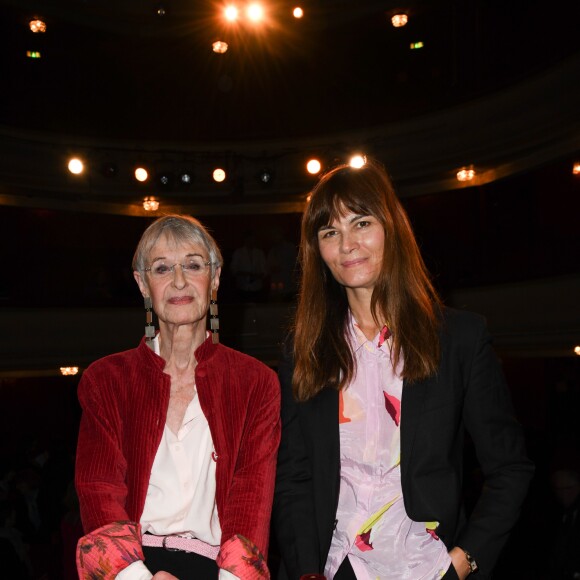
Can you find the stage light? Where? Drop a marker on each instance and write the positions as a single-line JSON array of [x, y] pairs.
[[37, 25], [466, 174], [219, 175], [76, 166], [69, 371], [313, 166], [33, 54], [219, 46], [255, 12], [357, 161], [186, 178], [576, 168], [231, 13], [265, 176], [298, 12], [165, 179], [577, 350], [161, 10], [399, 20], [416, 45], [150, 204], [141, 174], [109, 169]]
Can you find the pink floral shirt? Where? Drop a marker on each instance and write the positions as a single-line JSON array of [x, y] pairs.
[[372, 528]]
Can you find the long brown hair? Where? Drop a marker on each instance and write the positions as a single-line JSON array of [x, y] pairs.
[[403, 294]]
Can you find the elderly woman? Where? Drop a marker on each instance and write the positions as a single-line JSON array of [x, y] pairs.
[[178, 437], [383, 384]]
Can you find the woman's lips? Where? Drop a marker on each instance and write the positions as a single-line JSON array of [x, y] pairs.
[[351, 263], [180, 300]]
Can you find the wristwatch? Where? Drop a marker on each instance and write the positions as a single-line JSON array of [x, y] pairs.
[[472, 563]]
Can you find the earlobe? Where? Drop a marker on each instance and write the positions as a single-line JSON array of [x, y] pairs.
[[216, 280], [141, 283]]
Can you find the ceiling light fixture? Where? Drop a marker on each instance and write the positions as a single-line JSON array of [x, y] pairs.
[[298, 12], [161, 10], [141, 174], [219, 175], [265, 176], [231, 13], [219, 46], [150, 204], [37, 25], [313, 166], [109, 169], [466, 174], [76, 166], [255, 12], [399, 20], [357, 161], [186, 178], [165, 179]]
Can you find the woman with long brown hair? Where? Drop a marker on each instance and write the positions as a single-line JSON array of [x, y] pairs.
[[380, 381]]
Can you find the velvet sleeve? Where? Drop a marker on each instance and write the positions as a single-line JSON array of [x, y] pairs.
[[499, 444], [245, 519], [100, 464]]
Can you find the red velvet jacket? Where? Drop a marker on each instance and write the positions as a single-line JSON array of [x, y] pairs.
[[125, 397]]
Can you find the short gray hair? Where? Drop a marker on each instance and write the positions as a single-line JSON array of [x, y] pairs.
[[179, 228]]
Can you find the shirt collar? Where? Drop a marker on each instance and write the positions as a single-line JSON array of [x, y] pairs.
[[357, 338]]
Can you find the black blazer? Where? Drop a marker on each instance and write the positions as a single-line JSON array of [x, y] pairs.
[[467, 393]]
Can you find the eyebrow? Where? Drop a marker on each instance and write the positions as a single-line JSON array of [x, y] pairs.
[[191, 255], [353, 219]]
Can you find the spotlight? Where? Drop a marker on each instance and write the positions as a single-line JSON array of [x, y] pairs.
[[165, 179], [141, 174], [185, 178], [219, 47], [231, 13], [399, 20], [265, 176], [76, 166], [150, 204], [255, 12], [37, 25], [313, 166], [357, 161], [219, 175], [109, 169], [69, 371], [466, 174], [161, 9], [298, 12]]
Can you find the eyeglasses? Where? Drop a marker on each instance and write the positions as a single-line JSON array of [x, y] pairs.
[[193, 267]]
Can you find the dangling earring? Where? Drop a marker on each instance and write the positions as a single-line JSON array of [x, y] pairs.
[[149, 327], [214, 321]]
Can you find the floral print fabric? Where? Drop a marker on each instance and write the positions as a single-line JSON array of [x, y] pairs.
[[372, 528], [242, 558], [103, 553]]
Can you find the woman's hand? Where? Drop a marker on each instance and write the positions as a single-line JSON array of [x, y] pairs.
[[460, 563], [164, 576]]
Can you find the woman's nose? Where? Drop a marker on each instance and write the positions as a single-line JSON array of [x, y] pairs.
[[178, 276], [348, 242]]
